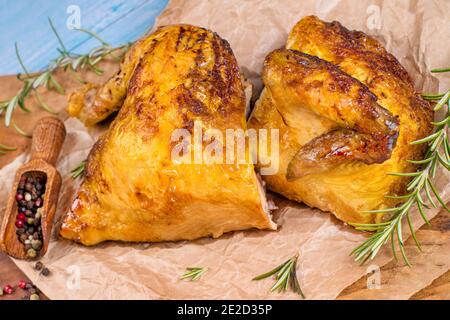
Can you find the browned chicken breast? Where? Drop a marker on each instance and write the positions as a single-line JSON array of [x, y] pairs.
[[133, 190], [347, 112]]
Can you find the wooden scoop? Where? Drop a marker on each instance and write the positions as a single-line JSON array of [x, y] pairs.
[[48, 138]]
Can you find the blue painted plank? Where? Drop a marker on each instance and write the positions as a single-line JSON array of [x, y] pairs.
[[25, 22]]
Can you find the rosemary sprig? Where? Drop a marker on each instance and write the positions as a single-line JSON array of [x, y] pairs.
[[79, 171], [285, 276], [438, 154], [193, 273], [66, 60]]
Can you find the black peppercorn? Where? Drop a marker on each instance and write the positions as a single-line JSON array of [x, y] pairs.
[[45, 272], [38, 266]]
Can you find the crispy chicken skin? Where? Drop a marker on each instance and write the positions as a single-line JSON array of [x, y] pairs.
[[347, 112], [133, 191], [94, 103], [297, 80]]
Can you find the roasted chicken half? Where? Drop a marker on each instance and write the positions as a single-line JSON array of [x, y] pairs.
[[347, 112], [133, 190]]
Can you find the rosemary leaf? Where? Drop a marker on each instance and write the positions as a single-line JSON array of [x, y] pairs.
[[7, 148], [285, 276], [193, 273], [20, 131], [413, 233], [430, 96], [271, 272], [79, 171], [42, 104], [437, 70]]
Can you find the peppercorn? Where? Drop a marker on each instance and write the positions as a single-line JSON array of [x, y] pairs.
[[29, 198], [31, 253], [38, 202], [23, 238], [45, 272], [22, 284], [19, 223], [38, 266], [8, 289], [37, 245], [34, 296]]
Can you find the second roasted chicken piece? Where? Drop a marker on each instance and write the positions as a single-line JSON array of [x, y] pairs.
[[179, 77], [347, 112]]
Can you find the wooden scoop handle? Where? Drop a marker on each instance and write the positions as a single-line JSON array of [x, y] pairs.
[[48, 138]]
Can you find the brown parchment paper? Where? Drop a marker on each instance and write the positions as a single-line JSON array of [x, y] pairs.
[[416, 32]]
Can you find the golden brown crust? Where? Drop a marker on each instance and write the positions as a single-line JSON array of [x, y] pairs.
[[297, 80], [348, 189], [365, 59], [133, 190]]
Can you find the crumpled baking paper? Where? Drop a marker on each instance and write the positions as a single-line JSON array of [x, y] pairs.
[[415, 32]]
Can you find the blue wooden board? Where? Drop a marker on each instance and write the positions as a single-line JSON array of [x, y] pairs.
[[26, 22]]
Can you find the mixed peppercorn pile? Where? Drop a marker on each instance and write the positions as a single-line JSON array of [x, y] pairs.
[[29, 197], [31, 291]]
